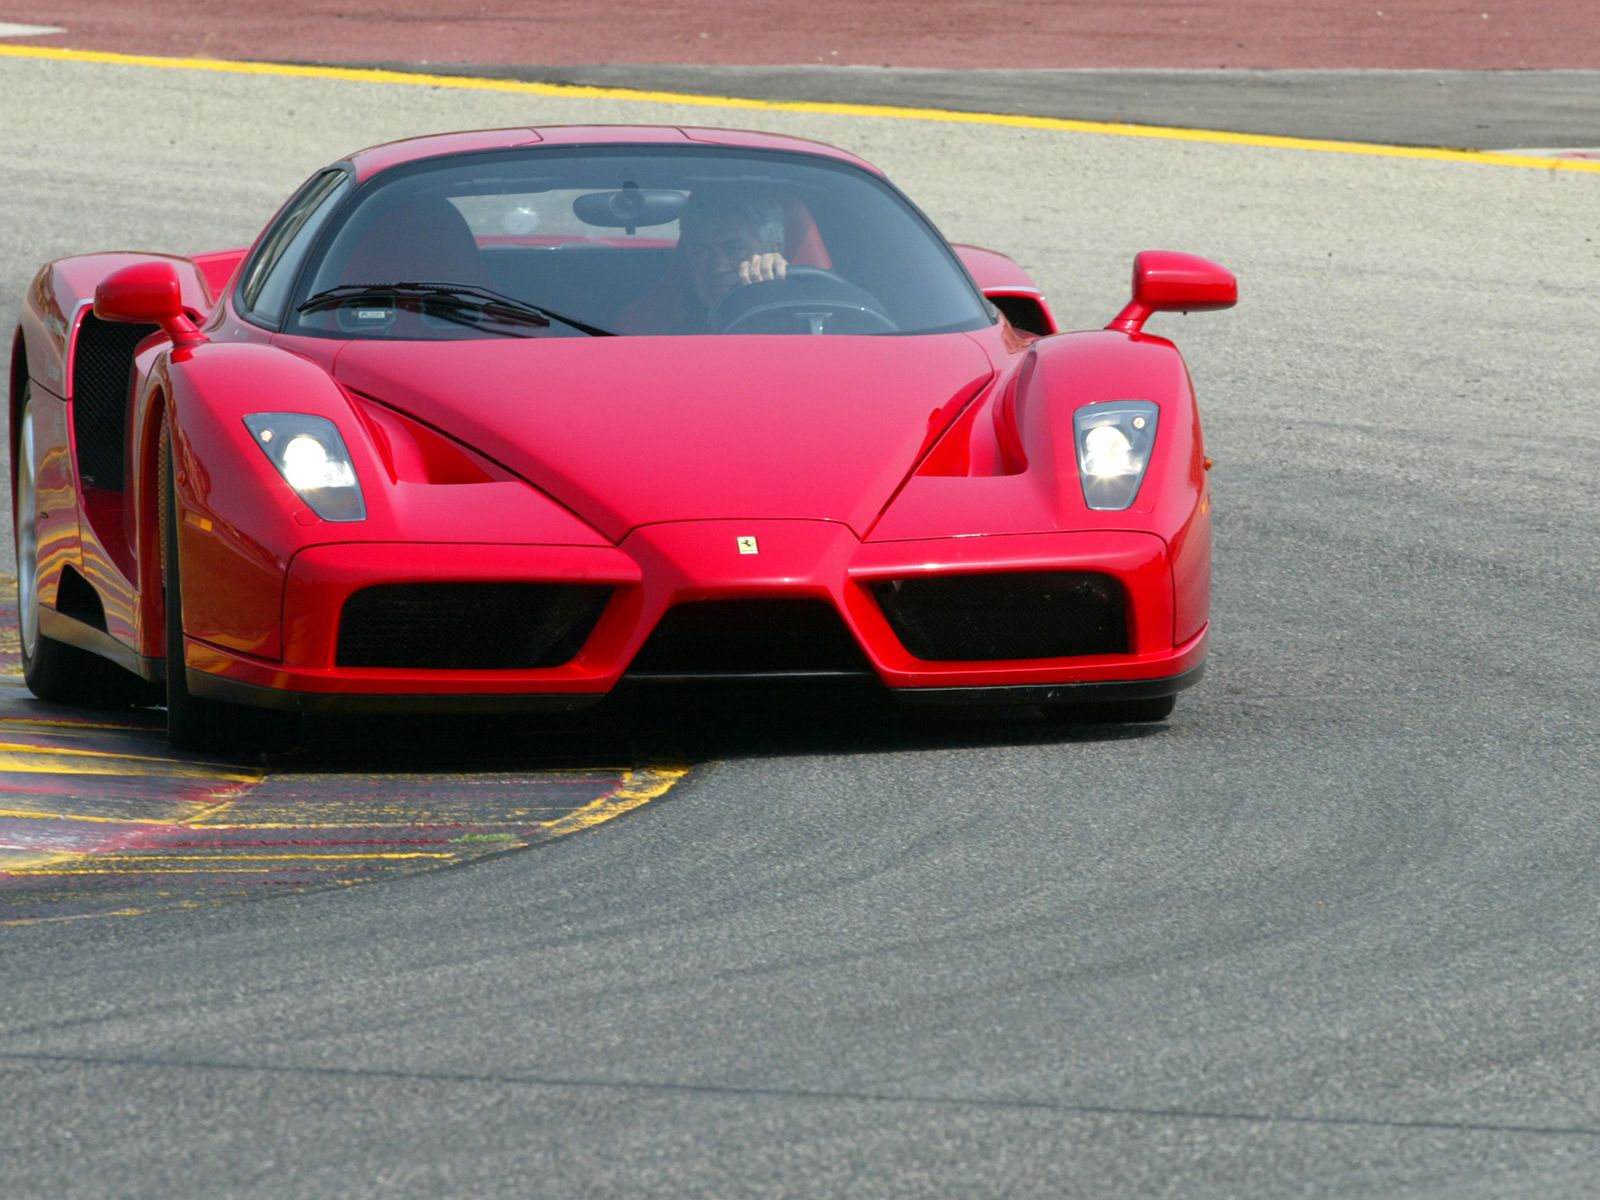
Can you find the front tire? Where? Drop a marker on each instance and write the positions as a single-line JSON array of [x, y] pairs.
[[195, 722]]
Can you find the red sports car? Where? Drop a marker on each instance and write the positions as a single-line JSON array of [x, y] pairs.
[[503, 419]]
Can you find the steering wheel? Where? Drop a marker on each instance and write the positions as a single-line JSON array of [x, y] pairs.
[[805, 300]]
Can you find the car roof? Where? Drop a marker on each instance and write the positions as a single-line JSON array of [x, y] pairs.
[[375, 159]]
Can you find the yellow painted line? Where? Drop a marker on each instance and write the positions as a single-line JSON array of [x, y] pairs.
[[471, 777], [221, 804], [40, 863], [26, 814], [819, 108], [149, 871], [15, 862], [418, 826], [56, 723], [78, 752], [24, 863], [91, 916], [203, 857], [56, 760], [636, 789]]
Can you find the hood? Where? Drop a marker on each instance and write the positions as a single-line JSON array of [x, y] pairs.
[[629, 431]]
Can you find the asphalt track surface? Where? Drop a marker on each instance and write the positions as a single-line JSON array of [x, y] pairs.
[[1480, 110], [1330, 931]]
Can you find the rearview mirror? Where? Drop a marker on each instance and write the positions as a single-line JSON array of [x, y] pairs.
[[147, 293], [630, 207], [1170, 281]]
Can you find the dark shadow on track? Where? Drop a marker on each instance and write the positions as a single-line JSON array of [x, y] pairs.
[[691, 725]]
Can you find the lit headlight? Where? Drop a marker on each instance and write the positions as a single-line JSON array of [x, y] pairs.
[[1114, 441], [311, 457]]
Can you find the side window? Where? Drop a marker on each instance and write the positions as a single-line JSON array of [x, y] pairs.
[[272, 270]]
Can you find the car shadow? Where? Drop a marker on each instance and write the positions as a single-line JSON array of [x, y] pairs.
[[688, 725]]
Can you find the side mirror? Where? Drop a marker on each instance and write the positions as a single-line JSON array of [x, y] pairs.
[[147, 293], [1169, 281]]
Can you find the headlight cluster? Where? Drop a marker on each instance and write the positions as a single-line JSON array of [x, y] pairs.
[[311, 456], [1114, 440]]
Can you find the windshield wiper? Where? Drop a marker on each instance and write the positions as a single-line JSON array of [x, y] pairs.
[[450, 302]]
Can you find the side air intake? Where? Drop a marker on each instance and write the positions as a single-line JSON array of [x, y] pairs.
[[102, 362]]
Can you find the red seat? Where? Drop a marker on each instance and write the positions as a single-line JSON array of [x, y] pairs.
[[420, 239], [424, 240]]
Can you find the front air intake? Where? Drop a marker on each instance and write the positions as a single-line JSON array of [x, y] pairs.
[[1033, 614], [468, 626], [747, 638]]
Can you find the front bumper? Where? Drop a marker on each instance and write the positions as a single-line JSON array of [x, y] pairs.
[[659, 566]]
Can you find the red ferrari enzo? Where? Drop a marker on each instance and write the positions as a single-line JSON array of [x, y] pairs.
[[503, 419]]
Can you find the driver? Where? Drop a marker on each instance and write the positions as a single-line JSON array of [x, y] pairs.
[[725, 240], [729, 241]]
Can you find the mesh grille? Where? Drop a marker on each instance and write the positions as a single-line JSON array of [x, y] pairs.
[[750, 637], [101, 361], [1038, 614], [468, 626]]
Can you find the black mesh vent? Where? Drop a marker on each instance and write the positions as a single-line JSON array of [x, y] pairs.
[[750, 637], [468, 626], [1037, 614], [101, 362]]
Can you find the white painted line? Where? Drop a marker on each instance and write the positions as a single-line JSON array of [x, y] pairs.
[[8, 31], [1591, 154]]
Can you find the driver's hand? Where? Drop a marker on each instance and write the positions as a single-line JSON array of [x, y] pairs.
[[763, 267]]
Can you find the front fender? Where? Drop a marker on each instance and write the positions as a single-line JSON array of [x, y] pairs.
[[1036, 487], [1174, 500], [239, 523], [1064, 374]]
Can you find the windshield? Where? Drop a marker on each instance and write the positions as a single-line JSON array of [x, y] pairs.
[[630, 240]]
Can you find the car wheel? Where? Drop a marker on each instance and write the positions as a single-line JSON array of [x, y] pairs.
[[1119, 712], [54, 670], [197, 722]]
